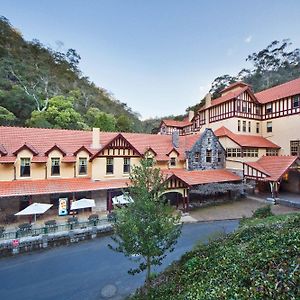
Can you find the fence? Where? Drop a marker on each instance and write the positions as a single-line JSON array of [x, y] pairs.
[[29, 231]]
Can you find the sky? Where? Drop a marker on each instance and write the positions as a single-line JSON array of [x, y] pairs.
[[158, 56]]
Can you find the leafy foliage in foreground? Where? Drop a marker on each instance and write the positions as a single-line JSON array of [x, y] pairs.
[[260, 260]]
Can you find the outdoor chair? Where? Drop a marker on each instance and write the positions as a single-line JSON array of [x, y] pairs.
[[50, 225], [93, 219]]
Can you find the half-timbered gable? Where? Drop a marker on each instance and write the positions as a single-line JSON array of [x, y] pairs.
[[118, 146]]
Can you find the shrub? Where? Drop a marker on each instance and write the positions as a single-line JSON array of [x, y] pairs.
[[263, 212]]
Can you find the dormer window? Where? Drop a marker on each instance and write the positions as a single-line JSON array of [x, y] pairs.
[[82, 166], [55, 166], [197, 157], [172, 161], [25, 167]]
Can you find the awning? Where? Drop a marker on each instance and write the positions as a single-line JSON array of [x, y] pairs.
[[122, 199], [83, 203], [34, 209]]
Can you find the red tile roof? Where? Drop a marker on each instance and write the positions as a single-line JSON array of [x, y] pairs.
[[7, 159], [2, 150], [227, 97], [284, 90], [234, 85], [39, 159], [12, 138], [275, 166], [202, 176], [53, 186], [245, 140], [174, 123], [26, 146], [68, 159]]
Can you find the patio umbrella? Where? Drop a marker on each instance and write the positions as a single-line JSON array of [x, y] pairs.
[[34, 209], [83, 203], [122, 199]]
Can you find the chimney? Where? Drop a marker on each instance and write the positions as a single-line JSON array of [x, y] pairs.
[[208, 100], [96, 138], [191, 115], [175, 138]]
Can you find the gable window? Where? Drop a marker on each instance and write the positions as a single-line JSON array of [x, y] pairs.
[[295, 148], [197, 156], [296, 101], [173, 161], [126, 165], [272, 152], [239, 125], [109, 165], [269, 127], [244, 107], [249, 126], [25, 167], [82, 166], [244, 126], [233, 152], [55, 166], [208, 156], [219, 156], [150, 160], [269, 108], [257, 127], [250, 152]]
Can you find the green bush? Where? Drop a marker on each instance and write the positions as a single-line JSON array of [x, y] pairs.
[[259, 261], [263, 212]]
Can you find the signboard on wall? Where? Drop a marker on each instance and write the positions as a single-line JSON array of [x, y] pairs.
[[63, 206]]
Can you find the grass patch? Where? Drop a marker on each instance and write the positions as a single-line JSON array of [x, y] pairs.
[[261, 260]]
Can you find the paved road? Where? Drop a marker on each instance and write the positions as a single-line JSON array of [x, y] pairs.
[[88, 270]]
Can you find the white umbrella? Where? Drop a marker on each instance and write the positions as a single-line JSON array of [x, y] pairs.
[[122, 199], [34, 209], [83, 203]]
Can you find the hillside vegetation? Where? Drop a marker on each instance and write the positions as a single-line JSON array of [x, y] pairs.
[[42, 87], [261, 260]]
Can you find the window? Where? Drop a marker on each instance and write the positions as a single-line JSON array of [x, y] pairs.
[[269, 126], [257, 127], [296, 101], [249, 126], [126, 166], [150, 161], [82, 166], [269, 108], [208, 140], [219, 156], [55, 166], [25, 167], [197, 156], [295, 148], [208, 156], [233, 152], [109, 165], [250, 152], [257, 110], [172, 161], [239, 125], [244, 126], [244, 107], [272, 152]]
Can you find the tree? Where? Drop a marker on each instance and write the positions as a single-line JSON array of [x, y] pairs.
[[59, 114], [96, 118], [146, 228], [6, 117], [124, 123]]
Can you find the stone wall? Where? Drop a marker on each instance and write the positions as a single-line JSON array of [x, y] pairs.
[[207, 141]]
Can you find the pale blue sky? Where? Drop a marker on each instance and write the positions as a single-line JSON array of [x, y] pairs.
[[158, 56]]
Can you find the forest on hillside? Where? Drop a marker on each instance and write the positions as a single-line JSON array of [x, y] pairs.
[[42, 87]]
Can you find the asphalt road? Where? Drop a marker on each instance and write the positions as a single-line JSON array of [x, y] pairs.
[[88, 270]]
